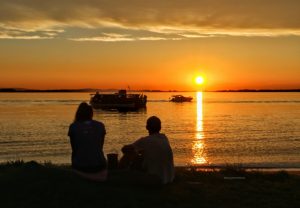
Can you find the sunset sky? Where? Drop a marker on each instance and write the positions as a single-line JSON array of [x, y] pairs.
[[157, 44]]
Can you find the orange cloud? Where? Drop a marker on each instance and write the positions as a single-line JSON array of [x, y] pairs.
[[188, 19]]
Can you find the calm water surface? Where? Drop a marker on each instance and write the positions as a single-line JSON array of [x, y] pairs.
[[216, 128]]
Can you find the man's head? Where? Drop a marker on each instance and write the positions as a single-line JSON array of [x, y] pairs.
[[153, 125]]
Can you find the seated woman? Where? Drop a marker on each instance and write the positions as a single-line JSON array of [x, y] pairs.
[[87, 139]]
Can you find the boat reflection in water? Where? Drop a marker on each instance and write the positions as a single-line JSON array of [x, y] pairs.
[[198, 146]]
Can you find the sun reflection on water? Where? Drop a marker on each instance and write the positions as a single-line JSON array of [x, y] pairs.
[[198, 146]]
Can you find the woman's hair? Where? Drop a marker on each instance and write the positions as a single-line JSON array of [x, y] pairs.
[[84, 112]]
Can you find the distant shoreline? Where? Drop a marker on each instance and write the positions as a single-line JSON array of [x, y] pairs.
[[21, 90], [260, 90]]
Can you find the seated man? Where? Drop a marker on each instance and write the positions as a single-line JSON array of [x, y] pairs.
[[156, 151]]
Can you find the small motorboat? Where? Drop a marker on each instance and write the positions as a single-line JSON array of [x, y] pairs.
[[180, 99]]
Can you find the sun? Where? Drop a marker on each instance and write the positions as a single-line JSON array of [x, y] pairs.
[[199, 80]]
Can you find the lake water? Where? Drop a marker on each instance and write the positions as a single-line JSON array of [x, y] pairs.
[[261, 129]]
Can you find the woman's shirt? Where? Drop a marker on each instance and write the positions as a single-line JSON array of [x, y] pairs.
[[87, 139]]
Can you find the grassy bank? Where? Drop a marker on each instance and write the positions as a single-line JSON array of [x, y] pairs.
[[35, 185]]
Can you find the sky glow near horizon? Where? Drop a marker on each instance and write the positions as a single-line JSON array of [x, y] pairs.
[[150, 44]]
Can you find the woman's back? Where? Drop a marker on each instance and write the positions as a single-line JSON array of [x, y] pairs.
[[87, 139]]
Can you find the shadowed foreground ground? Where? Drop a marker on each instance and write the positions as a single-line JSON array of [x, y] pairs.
[[35, 185]]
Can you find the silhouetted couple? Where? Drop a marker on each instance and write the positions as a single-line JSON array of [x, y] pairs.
[[151, 154]]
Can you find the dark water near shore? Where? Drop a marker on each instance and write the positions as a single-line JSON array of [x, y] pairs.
[[216, 128]]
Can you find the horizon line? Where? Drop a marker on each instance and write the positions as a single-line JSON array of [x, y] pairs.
[[143, 90]]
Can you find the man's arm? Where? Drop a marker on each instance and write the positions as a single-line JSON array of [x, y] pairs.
[[139, 144], [136, 146]]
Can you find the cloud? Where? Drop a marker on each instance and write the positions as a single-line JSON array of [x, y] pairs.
[[10, 32], [188, 18], [114, 37], [152, 38], [35, 37], [106, 37]]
